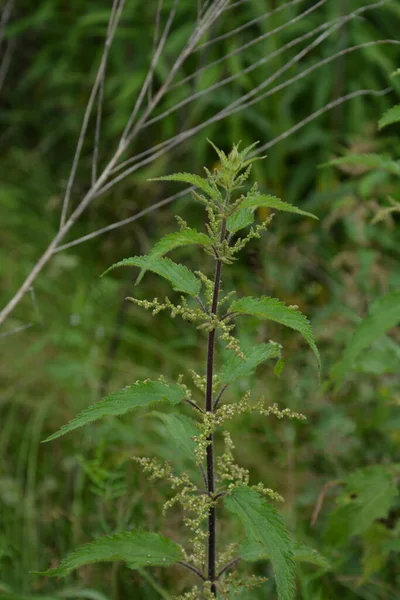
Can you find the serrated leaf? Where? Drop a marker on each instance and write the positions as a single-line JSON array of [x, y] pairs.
[[276, 310], [192, 179], [135, 548], [265, 201], [263, 525], [244, 215], [368, 496], [240, 219], [384, 314], [368, 161], [171, 241], [235, 367], [181, 430], [254, 551], [138, 395], [181, 278], [390, 116]]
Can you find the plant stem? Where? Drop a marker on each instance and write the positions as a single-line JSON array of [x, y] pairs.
[[209, 408]]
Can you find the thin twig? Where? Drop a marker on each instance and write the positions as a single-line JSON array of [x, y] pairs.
[[103, 183], [194, 405], [238, 105], [192, 568], [229, 314], [178, 139], [236, 75], [115, 16], [149, 76], [100, 99], [303, 74], [220, 495], [219, 396], [212, 13], [213, 88], [233, 107], [321, 498], [168, 144], [156, 34], [17, 330], [251, 23], [320, 112], [248, 45], [5, 17], [126, 221], [230, 564]]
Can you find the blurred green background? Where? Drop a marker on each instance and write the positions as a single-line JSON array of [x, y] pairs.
[[85, 340]]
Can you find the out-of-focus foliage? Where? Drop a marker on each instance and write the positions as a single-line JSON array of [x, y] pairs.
[[85, 342]]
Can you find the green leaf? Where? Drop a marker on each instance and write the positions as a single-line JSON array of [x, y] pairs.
[[181, 278], [368, 496], [263, 525], [138, 395], [244, 215], [235, 367], [254, 551], [192, 179], [279, 367], [376, 549], [181, 430], [275, 310], [263, 201], [383, 315], [240, 219], [390, 116], [305, 554], [170, 242], [368, 161], [136, 548]]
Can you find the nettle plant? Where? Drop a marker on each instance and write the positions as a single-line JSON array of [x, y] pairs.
[[220, 481]]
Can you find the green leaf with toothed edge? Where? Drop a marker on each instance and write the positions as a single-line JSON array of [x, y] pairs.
[[254, 551], [244, 214], [136, 548], [181, 278], [181, 430], [191, 179], [169, 242], [264, 526], [139, 395], [264, 201], [276, 310], [369, 494], [390, 116], [240, 219], [235, 367]]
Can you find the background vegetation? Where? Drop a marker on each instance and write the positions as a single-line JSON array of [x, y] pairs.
[[83, 340]]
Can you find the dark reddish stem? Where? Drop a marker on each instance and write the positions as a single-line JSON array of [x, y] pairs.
[[212, 559]]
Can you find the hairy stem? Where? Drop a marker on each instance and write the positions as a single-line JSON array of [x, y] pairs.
[[209, 408]]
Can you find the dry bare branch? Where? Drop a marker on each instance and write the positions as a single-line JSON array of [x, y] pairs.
[[142, 116], [115, 15]]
